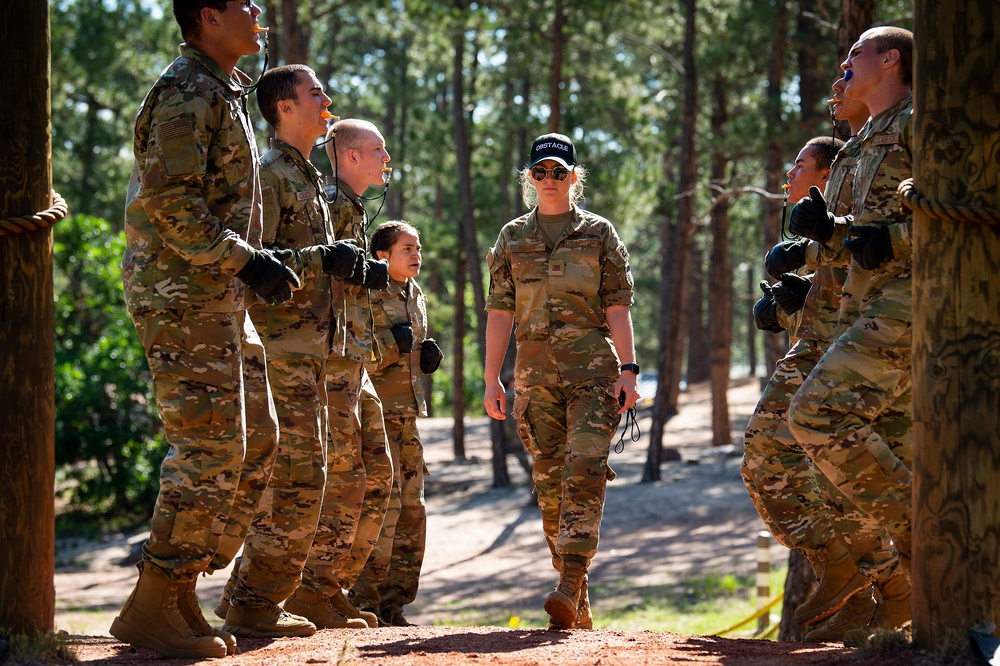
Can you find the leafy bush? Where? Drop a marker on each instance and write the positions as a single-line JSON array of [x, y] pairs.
[[108, 438]]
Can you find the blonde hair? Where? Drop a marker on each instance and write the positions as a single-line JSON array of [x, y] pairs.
[[530, 197]]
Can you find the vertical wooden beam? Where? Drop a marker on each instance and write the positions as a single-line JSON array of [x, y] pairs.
[[27, 359], [956, 327]]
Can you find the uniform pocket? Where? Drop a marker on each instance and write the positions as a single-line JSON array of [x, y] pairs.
[[525, 429], [196, 393]]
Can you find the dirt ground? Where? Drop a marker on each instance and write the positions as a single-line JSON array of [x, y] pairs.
[[486, 555]]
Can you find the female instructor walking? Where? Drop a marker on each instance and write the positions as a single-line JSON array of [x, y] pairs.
[[562, 274]]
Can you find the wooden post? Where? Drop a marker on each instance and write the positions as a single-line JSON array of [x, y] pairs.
[[27, 359], [956, 327]]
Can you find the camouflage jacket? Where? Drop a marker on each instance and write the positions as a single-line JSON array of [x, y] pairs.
[[296, 218], [193, 208], [885, 160], [397, 377], [355, 341], [558, 296], [821, 311]]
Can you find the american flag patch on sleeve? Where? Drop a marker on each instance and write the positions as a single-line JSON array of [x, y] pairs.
[[175, 128]]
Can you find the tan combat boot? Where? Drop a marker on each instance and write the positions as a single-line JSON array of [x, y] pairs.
[[584, 619], [839, 581], [320, 611], [856, 614], [894, 602], [347, 609], [251, 616], [563, 602], [222, 610], [151, 618], [191, 611]]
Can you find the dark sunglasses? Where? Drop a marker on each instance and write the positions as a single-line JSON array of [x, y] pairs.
[[540, 173]]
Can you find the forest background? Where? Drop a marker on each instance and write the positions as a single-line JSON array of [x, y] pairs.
[[687, 115]]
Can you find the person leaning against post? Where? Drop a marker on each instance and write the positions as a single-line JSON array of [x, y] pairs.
[[391, 576], [193, 229], [563, 274], [297, 335], [853, 414]]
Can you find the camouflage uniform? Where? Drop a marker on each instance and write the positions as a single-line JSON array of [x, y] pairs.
[[390, 579], [801, 508], [566, 365], [193, 217], [359, 470], [853, 414], [297, 335]]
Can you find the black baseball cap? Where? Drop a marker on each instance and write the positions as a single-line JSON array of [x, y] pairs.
[[557, 147]]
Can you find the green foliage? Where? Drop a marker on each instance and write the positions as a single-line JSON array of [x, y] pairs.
[[105, 55], [107, 443]]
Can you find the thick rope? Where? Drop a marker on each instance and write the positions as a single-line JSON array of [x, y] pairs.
[[913, 200], [43, 220]]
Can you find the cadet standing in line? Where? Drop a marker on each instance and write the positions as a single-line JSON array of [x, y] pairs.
[[193, 226], [853, 413], [297, 336], [390, 579], [562, 273], [359, 470]]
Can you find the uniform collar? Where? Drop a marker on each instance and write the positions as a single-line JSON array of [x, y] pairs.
[[297, 157], [532, 227], [233, 84], [884, 120]]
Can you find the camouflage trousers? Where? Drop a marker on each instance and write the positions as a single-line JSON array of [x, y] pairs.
[[799, 506], [391, 577], [358, 481], [282, 532], [853, 417], [568, 430], [218, 416]]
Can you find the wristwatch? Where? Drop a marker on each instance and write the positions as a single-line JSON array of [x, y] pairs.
[[634, 367]]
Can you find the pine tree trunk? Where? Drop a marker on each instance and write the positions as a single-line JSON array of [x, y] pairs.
[[774, 159], [27, 339], [720, 312], [956, 322], [799, 585], [675, 242]]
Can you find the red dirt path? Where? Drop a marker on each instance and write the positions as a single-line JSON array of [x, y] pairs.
[[454, 646]]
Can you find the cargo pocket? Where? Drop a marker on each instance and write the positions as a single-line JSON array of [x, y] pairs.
[[196, 393], [525, 428]]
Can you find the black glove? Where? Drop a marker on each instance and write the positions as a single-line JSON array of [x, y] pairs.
[[430, 356], [340, 258], [810, 218], [869, 245], [377, 276], [403, 334], [765, 312], [360, 271], [790, 293], [786, 257], [266, 275]]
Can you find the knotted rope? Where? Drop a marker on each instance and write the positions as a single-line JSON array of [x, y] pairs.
[[43, 220], [913, 200]]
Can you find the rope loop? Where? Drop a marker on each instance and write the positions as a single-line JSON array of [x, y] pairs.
[[47, 218], [913, 200]]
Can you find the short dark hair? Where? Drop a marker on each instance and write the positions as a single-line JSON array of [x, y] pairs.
[[188, 15], [388, 233], [276, 85], [890, 37], [826, 150]]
